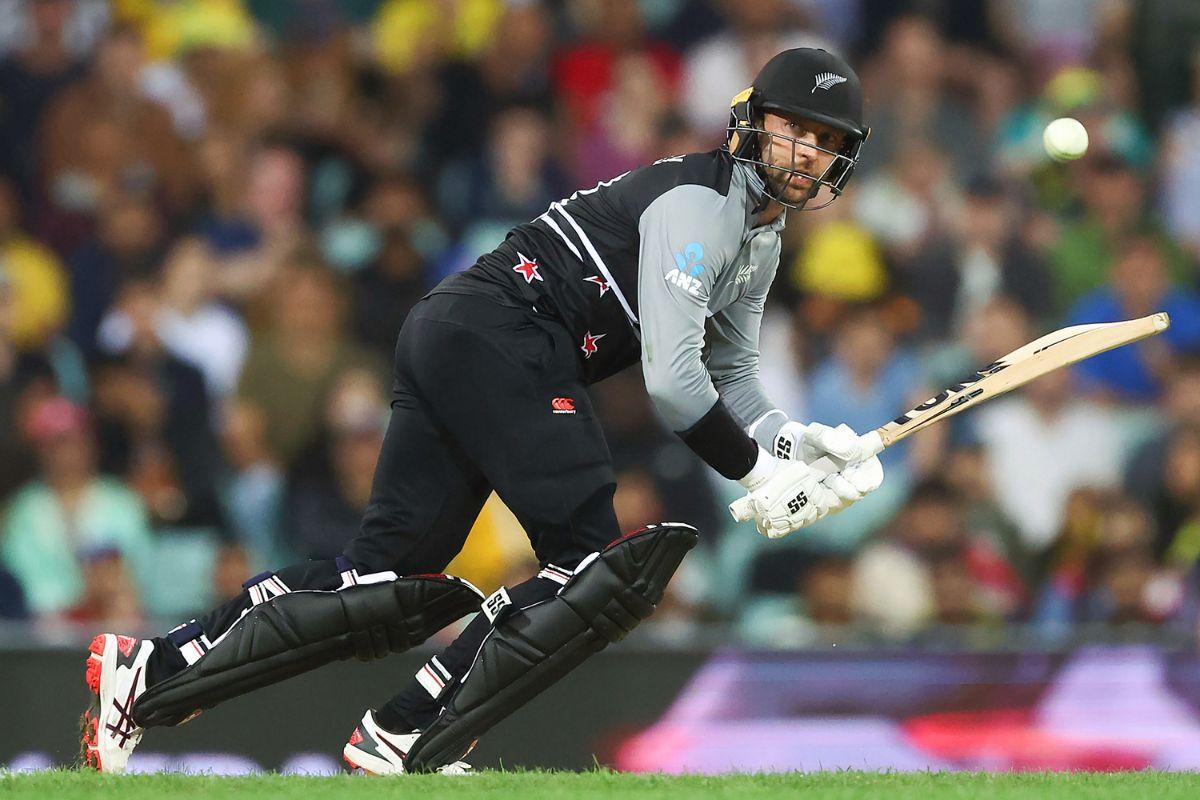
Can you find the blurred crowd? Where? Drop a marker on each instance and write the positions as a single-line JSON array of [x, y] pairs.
[[215, 215]]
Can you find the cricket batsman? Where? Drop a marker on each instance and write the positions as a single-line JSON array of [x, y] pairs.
[[669, 264]]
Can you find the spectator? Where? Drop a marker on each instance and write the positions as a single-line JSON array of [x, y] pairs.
[[1179, 169], [386, 290], [840, 262], [224, 216], [625, 134], [101, 136], [252, 492], [588, 69], [292, 365], [637, 501], [1139, 286], [255, 243], [31, 75], [193, 326], [1040, 445], [912, 105], [1063, 31], [12, 599], [129, 243], [154, 418], [329, 489], [25, 378], [35, 276], [819, 611], [497, 549], [1178, 506], [1114, 199], [109, 598], [864, 381], [892, 578], [1146, 477], [984, 258], [1005, 568], [1102, 568], [397, 201], [514, 181], [642, 446], [909, 203], [512, 68], [231, 570], [68, 510], [725, 64]]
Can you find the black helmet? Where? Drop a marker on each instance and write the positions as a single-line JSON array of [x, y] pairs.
[[809, 83]]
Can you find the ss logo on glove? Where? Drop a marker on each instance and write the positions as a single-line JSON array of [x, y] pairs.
[[798, 502]]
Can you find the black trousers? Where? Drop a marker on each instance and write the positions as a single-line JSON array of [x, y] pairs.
[[474, 410], [486, 397]]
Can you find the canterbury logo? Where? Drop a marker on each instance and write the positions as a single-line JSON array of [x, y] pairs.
[[562, 405], [827, 80]]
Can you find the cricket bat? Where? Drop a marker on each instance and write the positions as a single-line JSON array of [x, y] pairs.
[[1052, 351]]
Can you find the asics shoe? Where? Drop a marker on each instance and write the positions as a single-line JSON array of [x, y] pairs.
[[379, 752], [116, 676]]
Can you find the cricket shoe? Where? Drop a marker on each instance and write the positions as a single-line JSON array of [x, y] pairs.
[[379, 752], [116, 676]]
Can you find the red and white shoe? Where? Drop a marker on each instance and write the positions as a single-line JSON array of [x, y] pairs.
[[116, 674], [379, 752]]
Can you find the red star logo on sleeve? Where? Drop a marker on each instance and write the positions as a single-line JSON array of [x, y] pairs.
[[596, 279], [528, 268], [589, 343]]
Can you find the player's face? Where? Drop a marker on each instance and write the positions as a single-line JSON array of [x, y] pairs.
[[811, 153]]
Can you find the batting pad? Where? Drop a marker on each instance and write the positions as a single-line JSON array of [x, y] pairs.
[[531, 648], [298, 631]]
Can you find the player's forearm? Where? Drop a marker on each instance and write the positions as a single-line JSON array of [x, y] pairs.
[[719, 440], [688, 402], [748, 400]]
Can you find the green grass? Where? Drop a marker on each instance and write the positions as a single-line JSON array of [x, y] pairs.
[[64, 785]]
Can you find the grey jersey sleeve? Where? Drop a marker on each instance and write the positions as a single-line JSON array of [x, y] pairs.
[[733, 364], [684, 237], [733, 335]]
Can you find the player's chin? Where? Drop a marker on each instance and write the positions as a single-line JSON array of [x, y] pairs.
[[796, 192]]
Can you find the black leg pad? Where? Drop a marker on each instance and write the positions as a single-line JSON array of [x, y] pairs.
[[529, 649], [295, 632]]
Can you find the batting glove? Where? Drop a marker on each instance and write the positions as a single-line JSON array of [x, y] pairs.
[[783, 496], [813, 442]]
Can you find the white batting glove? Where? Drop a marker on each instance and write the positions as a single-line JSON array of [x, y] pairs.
[[855, 481], [784, 496], [813, 442]]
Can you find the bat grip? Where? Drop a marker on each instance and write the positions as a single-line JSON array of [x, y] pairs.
[[872, 445], [741, 509]]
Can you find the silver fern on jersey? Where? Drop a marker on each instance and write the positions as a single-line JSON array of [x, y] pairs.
[[826, 80]]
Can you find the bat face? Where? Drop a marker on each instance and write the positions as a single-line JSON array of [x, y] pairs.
[[1050, 352], [953, 397]]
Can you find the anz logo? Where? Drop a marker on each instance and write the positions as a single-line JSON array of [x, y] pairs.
[[688, 260], [689, 284], [688, 269]]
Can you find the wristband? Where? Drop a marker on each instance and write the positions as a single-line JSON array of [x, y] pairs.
[[720, 441]]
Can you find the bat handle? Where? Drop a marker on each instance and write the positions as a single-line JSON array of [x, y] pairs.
[[741, 509], [873, 442], [872, 445]]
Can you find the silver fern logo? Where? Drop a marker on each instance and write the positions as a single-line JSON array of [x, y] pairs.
[[827, 80]]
